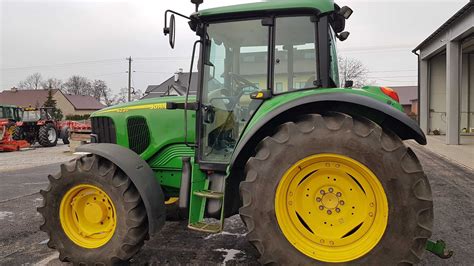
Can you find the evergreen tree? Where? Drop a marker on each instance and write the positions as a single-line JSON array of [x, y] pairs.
[[51, 102]]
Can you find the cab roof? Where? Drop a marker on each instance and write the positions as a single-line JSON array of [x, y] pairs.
[[322, 6]]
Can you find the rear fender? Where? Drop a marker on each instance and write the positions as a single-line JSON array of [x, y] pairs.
[[381, 113]]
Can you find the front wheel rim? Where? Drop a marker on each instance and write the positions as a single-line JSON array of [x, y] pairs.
[[51, 135], [331, 208], [87, 216]]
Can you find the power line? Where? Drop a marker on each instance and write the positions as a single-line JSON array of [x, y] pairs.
[[393, 77], [388, 71], [63, 64], [111, 61]]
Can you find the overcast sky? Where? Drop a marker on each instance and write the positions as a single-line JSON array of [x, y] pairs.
[[92, 38]]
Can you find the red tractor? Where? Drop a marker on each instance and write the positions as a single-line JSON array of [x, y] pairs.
[[8, 116], [38, 125]]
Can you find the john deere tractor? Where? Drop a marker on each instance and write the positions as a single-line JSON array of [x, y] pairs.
[[318, 173]]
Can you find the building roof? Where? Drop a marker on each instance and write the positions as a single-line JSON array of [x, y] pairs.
[[406, 93], [36, 98], [180, 85], [464, 10], [84, 102], [24, 98], [320, 5]]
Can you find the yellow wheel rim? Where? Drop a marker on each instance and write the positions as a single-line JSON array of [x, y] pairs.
[[171, 200], [88, 216], [331, 208]]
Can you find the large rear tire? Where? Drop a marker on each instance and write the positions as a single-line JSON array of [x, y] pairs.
[[47, 135], [93, 213], [336, 189]]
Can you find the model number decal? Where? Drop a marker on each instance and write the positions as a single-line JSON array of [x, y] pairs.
[[158, 106]]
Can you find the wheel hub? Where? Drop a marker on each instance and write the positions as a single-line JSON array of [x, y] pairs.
[[331, 207], [87, 216], [330, 200]]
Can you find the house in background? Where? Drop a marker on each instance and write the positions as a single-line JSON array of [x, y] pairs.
[[174, 86], [408, 99], [69, 104], [446, 67]]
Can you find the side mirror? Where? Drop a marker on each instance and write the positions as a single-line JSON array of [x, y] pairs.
[[171, 30], [345, 11], [348, 84], [343, 36], [197, 3]]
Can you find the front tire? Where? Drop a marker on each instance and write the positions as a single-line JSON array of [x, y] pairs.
[[356, 165], [93, 213], [47, 135]]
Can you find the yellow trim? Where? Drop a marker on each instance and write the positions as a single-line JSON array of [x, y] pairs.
[[87, 216], [171, 201], [331, 208], [153, 106]]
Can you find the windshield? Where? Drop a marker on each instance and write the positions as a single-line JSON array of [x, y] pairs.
[[236, 67], [31, 116]]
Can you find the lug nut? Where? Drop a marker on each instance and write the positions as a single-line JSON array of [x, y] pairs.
[[330, 189], [322, 192], [318, 199], [338, 194], [321, 207], [338, 210], [341, 202], [329, 212]]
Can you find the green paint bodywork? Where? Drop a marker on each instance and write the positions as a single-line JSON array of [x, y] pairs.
[[322, 5], [167, 128], [274, 102]]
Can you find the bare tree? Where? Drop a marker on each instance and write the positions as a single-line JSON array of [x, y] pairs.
[[32, 82], [352, 69], [122, 96], [52, 83], [78, 85], [102, 92]]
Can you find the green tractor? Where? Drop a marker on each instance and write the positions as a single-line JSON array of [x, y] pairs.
[[319, 174]]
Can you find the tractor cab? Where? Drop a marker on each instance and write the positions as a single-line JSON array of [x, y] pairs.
[[36, 115], [253, 52], [10, 112]]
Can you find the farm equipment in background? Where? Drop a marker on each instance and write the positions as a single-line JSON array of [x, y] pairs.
[[8, 116], [37, 125], [74, 130]]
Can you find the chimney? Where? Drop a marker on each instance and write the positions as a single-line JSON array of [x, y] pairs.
[[177, 74]]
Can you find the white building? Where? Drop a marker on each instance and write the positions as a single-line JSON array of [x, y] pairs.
[[446, 77]]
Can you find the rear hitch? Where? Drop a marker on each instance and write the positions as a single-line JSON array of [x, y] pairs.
[[439, 249]]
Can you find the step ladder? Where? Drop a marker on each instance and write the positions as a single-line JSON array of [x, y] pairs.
[[200, 193], [202, 225]]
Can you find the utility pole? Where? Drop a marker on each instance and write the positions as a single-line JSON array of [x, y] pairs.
[[129, 78]]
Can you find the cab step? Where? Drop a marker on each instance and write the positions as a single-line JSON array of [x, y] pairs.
[[209, 194], [206, 227]]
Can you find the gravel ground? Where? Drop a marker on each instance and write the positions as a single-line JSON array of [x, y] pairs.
[[21, 243], [34, 156]]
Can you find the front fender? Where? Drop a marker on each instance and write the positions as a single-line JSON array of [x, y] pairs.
[[387, 117], [141, 175]]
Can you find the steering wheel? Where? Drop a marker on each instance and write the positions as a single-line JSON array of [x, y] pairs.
[[241, 83]]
